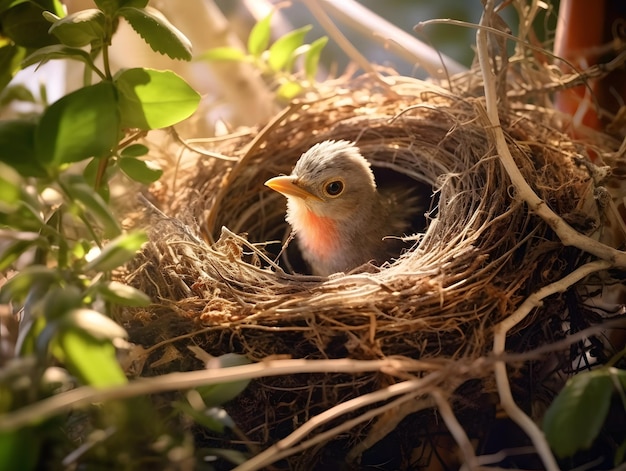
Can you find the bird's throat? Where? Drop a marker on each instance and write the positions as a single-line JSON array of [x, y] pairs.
[[317, 235]]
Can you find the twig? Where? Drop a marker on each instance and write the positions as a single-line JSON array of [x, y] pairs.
[[455, 429], [205, 152], [351, 51], [495, 31], [402, 43], [536, 298], [500, 332], [567, 342], [564, 231], [286, 446], [84, 396], [243, 88]]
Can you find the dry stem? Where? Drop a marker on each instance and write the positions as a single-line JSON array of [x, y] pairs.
[[85, 396], [287, 446], [568, 236], [405, 45]]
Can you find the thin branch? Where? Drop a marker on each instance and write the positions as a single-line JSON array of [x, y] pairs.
[[84, 396], [207, 153], [398, 41], [456, 430], [567, 234], [287, 446], [350, 50], [500, 331], [536, 298]]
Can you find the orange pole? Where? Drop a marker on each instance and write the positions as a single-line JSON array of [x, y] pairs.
[[580, 30]]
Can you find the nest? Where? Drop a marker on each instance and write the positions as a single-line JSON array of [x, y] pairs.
[[214, 270]]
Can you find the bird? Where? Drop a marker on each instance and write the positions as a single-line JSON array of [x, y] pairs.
[[339, 217]]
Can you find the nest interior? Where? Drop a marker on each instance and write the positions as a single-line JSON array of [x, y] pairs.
[[211, 264]]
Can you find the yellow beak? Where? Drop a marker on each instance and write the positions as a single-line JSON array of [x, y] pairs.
[[288, 187]]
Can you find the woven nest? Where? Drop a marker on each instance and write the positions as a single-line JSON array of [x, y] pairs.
[[213, 269]]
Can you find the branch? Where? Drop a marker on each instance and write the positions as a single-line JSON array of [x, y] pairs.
[[350, 50], [287, 446], [565, 232], [456, 430], [85, 396], [403, 44], [568, 235]]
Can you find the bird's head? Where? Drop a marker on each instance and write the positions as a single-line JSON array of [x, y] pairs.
[[332, 179]]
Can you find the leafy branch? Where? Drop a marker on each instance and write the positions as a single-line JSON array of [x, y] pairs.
[[277, 60], [59, 239]]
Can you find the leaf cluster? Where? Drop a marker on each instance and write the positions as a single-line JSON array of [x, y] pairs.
[[277, 60], [59, 237]]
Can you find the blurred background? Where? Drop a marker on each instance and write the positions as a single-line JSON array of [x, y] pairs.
[[216, 23]]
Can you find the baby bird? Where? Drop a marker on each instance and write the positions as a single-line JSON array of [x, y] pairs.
[[339, 217]]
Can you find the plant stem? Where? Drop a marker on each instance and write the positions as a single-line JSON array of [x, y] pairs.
[[102, 167], [108, 35], [105, 60], [81, 215]]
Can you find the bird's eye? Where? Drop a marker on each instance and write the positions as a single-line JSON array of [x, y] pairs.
[[334, 188]]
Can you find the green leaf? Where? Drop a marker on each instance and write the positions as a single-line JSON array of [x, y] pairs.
[[90, 203], [17, 92], [134, 150], [35, 321], [312, 57], [224, 54], [108, 6], [621, 376], [152, 99], [281, 52], [60, 301], [119, 293], [82, 124], [10, 189], [51, 17], [158, 32], [573, 420], [289, 90], [81, 28], [17, 147], [20, 448], [111, 6], [14, 243], [117, 252], [23, 215], [6, 4], [235, 457], [10, 58], [95, 324], [217, 420], [57, 51], [16, 288], [260, 35], [218, 394], [25, 25], [54, 6], [92, 360], [142, 171], [11, 251]]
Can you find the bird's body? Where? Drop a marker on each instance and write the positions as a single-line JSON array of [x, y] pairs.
[[339, 217]]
